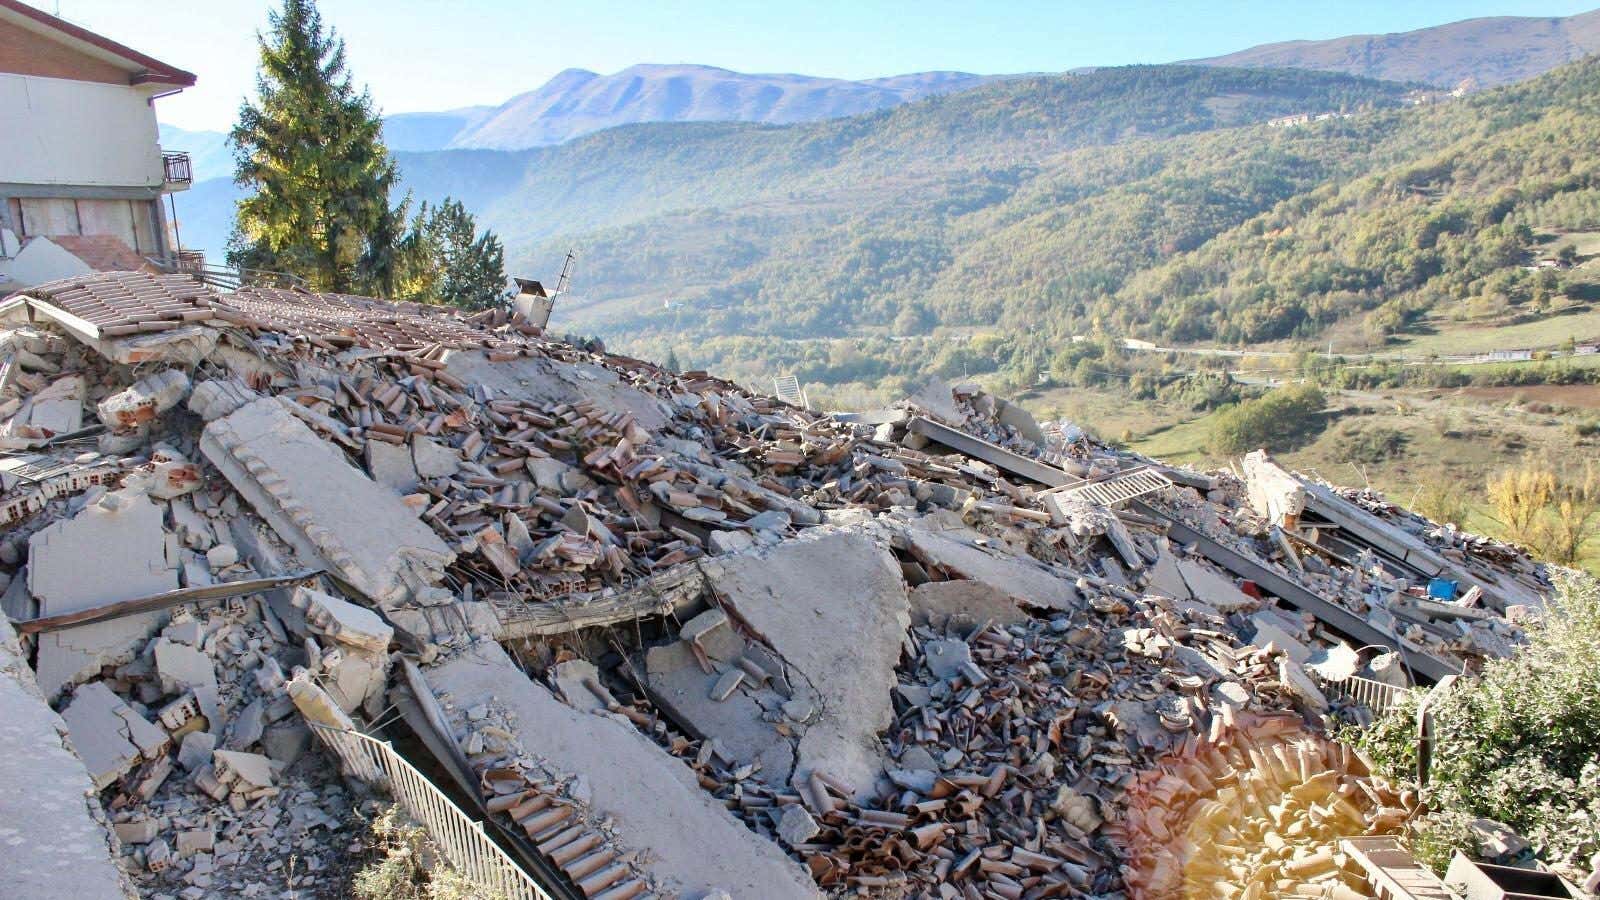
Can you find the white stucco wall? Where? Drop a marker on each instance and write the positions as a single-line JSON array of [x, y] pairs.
[[57, 131], [40, 261]]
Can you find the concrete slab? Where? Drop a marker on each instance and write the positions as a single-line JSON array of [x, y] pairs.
[[545, 381], [834, 609], [653, 801], [109, 736], [329, 511], [1020, 578], [53, 838], [112, 550], [72, 655], [1214, 588], [390, 465], [937, 603]]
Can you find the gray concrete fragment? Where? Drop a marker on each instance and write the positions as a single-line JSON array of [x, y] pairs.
[[143, 401], [431, 459], [653, 801], [112, 550], [1213, 588], [181, 668], [962, 605], [327, 510], [796, 826], [195, 751], [946, 657], [545, 381], [343, 621], [833, 607], [107, 733], [1020, 578], [72, 655], [219, 397], [53, 837], [390, 465]]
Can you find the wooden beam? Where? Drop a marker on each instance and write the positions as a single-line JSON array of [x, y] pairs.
[[160, 601]]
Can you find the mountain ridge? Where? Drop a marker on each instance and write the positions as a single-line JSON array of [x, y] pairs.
[[1478, 53]]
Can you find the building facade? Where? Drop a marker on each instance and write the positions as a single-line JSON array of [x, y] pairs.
[[82, 172]]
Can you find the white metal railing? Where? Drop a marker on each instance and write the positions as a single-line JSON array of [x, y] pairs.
[[462, 841], [1119, 488], [1374, 695]]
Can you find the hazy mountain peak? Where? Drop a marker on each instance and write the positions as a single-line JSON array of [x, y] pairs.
[[577, 102], [1484, 52]]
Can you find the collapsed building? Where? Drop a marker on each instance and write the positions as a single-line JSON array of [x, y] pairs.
[[666, 637]]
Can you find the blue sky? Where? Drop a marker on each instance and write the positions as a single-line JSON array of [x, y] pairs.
[[436, 54]]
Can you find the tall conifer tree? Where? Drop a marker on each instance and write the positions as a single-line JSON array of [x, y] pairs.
[[310, 151]]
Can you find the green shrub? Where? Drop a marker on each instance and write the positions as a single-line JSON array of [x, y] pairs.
[[1279, 419], [1519, 744], [1369, 444]]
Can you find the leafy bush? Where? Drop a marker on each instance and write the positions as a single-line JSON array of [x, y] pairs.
[[405, 865], [1369, 444], [1519, 744], [1276, 420]]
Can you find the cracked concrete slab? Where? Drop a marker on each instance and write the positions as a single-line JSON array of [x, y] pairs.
[[53, 838], [112, 550], [328, 510], [543, 381], [833, 607], [653, 801], [1021, 578], [109, 736]]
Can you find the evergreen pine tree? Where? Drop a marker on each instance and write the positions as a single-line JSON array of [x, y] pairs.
[[310, 151], [672, 364], [472, 271]]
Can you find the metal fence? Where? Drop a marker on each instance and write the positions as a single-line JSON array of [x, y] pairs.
[[463, 843], [1374, 695]]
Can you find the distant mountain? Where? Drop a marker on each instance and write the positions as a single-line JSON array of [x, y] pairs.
[[578, 102], [209, 156], [1482, 53], [421, 131]]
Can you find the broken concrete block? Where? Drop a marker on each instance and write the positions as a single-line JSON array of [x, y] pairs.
[[172, 474], [723, 542], [652, 801], [112, 550], [195, 751], [946, 657], [58, 408], [139, 831], [431, 459], [343, 621], [966, 603], [219, 397], [321, 505], [1270, 634], [107, 733], [803, 597], [1022, 579], [182, 667], [243, 771], [72, 655], [390, 465], [142, 402], [703, 624], [1301, 685], [1213, 588], [579, 683], [199, 840], [796, 826], [222, 556]]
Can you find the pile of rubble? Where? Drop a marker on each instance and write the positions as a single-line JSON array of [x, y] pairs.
[[646, 617]]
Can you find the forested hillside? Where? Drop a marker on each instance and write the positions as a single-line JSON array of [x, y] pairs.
[[1142, 202]]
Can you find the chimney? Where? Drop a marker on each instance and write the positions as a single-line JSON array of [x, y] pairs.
[[533, 302]]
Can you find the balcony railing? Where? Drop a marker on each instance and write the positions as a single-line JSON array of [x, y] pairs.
[[175, 168]]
